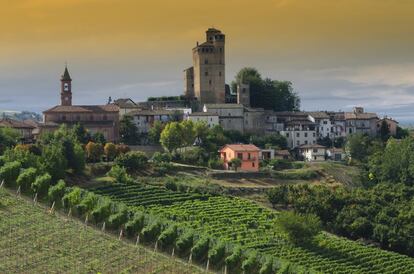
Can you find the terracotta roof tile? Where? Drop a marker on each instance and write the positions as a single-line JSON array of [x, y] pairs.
[[242, 147], [84, 109]]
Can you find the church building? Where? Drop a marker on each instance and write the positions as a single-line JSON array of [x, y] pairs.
[[95, 118]]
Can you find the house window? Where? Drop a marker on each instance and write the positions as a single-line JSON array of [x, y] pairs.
[[306, 142], [240, 156], [219, 73], [249, 156], [306, 134], [206, 73], [209, 81], [297, 143], [287, 135], [297, 134], [315, 150], [252, 164]]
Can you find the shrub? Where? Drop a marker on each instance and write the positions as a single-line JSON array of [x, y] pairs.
[[94, 152], [299, 228], [72, 198], [135, 224], [193, 156], [185, 242], [78, 164], [171, 185], [110, 151], [200, 249], [168, 237], [102, 210], [26, 178], [9, 172], [217, 253], [56, 192], [120, 175], [122, 149], [163, 168], [54, 161], [119, 217], [251, 264], [159, 157], [41, 184], [132, 160], [215, 163], [151, 231], [234, 260]]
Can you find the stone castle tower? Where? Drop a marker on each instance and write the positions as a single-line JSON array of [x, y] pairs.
[[205, 80], [66, 89]]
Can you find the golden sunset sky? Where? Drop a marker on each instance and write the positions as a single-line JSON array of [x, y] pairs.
[[337, 53]]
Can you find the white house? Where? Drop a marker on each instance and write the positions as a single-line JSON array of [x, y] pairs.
[[312, 153], [211, 119]]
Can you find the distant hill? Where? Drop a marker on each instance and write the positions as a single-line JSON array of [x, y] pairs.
[[20, 115]]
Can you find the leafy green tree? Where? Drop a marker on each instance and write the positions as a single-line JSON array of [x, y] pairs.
[[78, 164], [128, 131], [299, 228], [99, 138], [384, 131], [54, 160], [402, 133], [81, 134], [26, 178], [102, 210], [268, 93], [8, 138], [172, 137], [154, 133], [357, 146], [72, 198]]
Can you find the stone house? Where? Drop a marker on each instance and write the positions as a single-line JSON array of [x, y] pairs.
[[392, 125], [211, 119], [359, 121], [24, 128], [145, 119], [231, 116]]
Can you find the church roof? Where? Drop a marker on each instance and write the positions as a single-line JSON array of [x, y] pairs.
[[66, 76], [84, 109]]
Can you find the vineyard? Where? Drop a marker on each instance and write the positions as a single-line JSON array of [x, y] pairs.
[[239, 222], [33, 241], [144, 195]]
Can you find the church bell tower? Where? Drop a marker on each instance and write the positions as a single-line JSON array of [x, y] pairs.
[[66, 89]]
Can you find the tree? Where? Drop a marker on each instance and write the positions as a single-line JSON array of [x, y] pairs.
[[402, 133], [172, 136], [110, 151], [94, 151], [78, 165], [99, 138], [235, 163], [384, 131], [128, 131], [357, 147], [154, 133], [54, 160], [81, 134], [299, 228], [267, 93], [8, 138]]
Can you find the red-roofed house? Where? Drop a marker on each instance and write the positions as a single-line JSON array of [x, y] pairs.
[[248, 154]]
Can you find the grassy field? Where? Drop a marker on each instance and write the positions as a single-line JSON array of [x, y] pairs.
[[33, 241]]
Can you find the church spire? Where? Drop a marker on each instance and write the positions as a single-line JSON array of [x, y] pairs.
[[66, 76], [66, 88]]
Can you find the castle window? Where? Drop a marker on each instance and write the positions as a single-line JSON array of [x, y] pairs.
[[206, 73], [221, 49], [206, 61], [209, 81], [219, 73]]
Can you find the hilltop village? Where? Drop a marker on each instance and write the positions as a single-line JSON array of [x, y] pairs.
[[208, 99]]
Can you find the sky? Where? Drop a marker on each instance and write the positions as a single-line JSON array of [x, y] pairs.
[[338, 54]]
